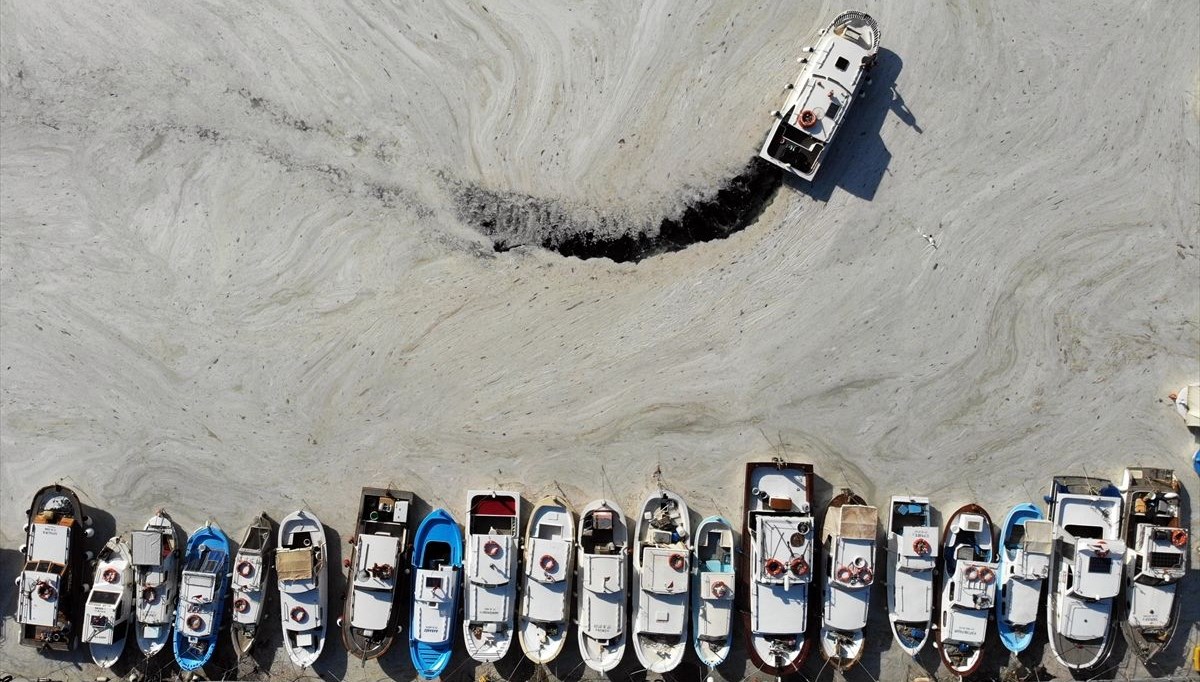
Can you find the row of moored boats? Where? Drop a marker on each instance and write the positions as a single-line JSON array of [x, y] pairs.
[[1106, 554]]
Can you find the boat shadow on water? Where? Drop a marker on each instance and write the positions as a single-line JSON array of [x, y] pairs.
[[858, 157]]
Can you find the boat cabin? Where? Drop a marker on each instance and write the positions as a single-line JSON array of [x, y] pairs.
[[41, 583], [198, 589], [374, 582]]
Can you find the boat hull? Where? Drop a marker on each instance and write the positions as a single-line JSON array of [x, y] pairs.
[[192, 653], [438, 542], [774, 653], [543, 619], [58, 630]]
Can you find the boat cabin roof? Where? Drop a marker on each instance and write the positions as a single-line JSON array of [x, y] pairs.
[[376, 551], [1097, 569], [779, 490], [49, 542]]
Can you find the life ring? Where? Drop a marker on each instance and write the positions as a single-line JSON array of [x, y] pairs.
[[111, 575], [720, 590], [149, 594], [241, 605], [799, 566], [298, 614], [922, 546], [195, 622], [774, 568], [866, 575], [492, 548], [808, 118], [678, 562], [1101, 548], [548, 563], [1179, 537], [844, 574], [46, 591], [245, 569], [987, 575], [972, 573]]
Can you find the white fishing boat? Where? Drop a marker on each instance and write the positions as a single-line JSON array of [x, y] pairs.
[[545, 607], [302, 571], [848, 540], [968, 589], [603, 556], [1156, 559], [713, 591], [817, 103], [380, 547], [48, 588], [1025, 546], [109, 607], [1085, 570], [913, 550], [156, 557], [661, 582], [777, 546], [251, 567], [489, 600]]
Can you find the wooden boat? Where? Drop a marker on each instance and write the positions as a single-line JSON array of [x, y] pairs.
[[602, 571], [661, 582], [109, 606], [968, 589], [1156, 560], [1025, 545], [48, 589], [713, 591], [543, 616], [437, 574], [379, 552], [490, 593], [156, 558], [203, 589], [776, 573], [302, 573], [251, 569], [1085, 570], [819, 100], [848, 540], [913, 550]]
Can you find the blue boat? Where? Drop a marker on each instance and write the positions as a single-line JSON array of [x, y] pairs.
[[202, 594], [437, 570], [712, 591], [1025, 544]]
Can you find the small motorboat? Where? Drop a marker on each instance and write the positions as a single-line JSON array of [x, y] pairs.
[[109, 606], [1085, 570], [155, 551], [602, 569], [1025, 545], [777, 546], [543, 617], [1156, 559], [378, 556], [437, 572], [1187, 403], [713, 591], [819, 100], [202, 591], [251, 567], [302, 572], [912, 558], [490, 587], [48, 589], [848, 540], [968, 589], [661, 582]]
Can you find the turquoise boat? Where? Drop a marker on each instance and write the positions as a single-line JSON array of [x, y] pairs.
[[712, 591], [437, 572], [202, 595], [1025, 545]]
